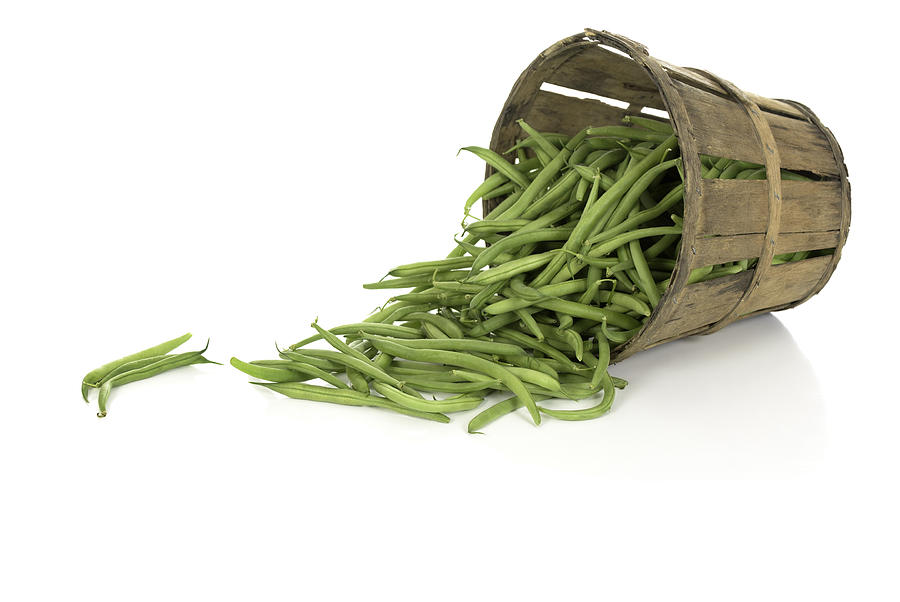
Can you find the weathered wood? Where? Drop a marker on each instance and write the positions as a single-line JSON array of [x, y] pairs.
[[724, 130], [734, 247], [524, 92], [725, 220], [774, 196], [788, 282], [698, 80], [738, 207], [599, 71], [551, 112], [845, 199], [703, 303]]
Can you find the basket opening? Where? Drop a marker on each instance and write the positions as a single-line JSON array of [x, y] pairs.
[[548, 87]]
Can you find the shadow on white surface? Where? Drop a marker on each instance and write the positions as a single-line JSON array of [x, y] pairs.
[[742, 402]]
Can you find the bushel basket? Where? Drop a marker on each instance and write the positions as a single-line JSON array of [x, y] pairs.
[[724, 219]]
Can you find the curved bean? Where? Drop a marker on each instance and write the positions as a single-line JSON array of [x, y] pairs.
[[462, 360]]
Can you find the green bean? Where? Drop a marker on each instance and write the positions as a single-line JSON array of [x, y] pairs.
[[661, 245], [529, 323], [535, 377], [518, 288], [630, 199], [429, 267], [446, 325], [168, 362], [732, 170], [618, 131], [509, 269], [357, 381], [604, 248], [405, 400], [404, 373], [589, 220], [274, 374], [499, 163], [348, 361], [504, 190], [93, 378], [424, 383], [346, 397], [752, 174], [528, 142], [603, 357], [495, 226], [544, 178], [644, 279], [132, 365], [557, 192], [516, 240], [513, 302], [340, 345], [790, 175], [588, 311], [316, 368], [574, 340], [273, 363], [411, 281], [609, 394], [461, 344], [618, 336], [530, 342], [464, 361], [457, 287], [493, 323], [539, 139], [532, 363], [430, 296], [650, 124], [498, 410], [495, 181]]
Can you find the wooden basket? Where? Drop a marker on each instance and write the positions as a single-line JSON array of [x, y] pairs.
[[725, 220]]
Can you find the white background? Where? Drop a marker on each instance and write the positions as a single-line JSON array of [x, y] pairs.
[[238, 168]]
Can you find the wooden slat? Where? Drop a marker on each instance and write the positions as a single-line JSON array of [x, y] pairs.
[[525, 90], [553, 112], [599, 71], [740, 206], [802, 145], [704, 303], [788, 282], [697, 80], [721, 249], [722, 129]]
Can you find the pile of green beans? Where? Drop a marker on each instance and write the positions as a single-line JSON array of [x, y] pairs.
[[530, 301], [139, 366]]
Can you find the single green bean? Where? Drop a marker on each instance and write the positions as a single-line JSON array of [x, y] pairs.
[[346, 397], [609, 394]]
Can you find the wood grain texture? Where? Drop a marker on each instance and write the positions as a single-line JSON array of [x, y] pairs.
[[599, 71], [787, 282], [551, 112], [738, 207], [774, 197], [838, 155], [703, 303], [734, 247], [724, 130]]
